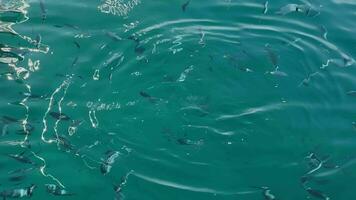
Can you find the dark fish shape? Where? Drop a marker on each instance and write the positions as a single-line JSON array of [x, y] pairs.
[[59, 116], [17, 178], [18, 193], [351, 93], [65, 143], [38, 41], [21, 171], [43, 10], [75, 61], [9, 120], [185, 5], [16, 103], [29, 128], [4, 130], [305, 179], [107, 163], [304, 9], [57, 190], [76, 44], [31, 96], [139, 49], [145, 95], [272, 56], [133, 38], [185, 141], [21, 158], [72, 26], [113, 36], [317, 194]]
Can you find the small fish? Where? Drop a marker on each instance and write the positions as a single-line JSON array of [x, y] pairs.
[[75, 61], [21, 171], [38, 41], [139, 49], [17, 178], [31, 96], [21, 158], [72, 26], [59, 116], [317, 194], [272, 56], [65, 143], [18, 193], [265, 8], [304, 179], [76, 44], [289, 8], [16, 103], [351, 93], [106, 165], [184, 141], [57, 190], [28, 129], [4, 130], [113, 36], [43, 10], [145, 95], [185, 5], [133, 38], [278, 73], [9, 120]]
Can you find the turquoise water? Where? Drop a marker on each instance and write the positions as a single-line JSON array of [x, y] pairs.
[[215, 99]]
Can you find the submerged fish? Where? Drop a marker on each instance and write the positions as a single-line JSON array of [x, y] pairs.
[[107, 163], [17, 178], [21, 171], [18, 193], [59, 116], [65, 143], [271, 55], [28, 129], [351, 93], [305, 9], [139, 49], [289, 8], [145, 95], [185, 5], [57, 190], [76, 44], [21, 158], [31, 96], [43, 10], [317, 194], [9, 120], [113, 36]]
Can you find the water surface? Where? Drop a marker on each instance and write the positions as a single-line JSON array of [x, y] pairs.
[[214, 99]]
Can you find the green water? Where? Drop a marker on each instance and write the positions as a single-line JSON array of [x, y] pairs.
[[214, 99]]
